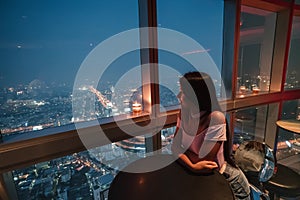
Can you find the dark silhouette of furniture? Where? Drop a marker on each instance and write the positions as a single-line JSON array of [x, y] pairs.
[[170, 182], [284, 183]]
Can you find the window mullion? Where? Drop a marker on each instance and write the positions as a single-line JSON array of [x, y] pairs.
[[149, 60]]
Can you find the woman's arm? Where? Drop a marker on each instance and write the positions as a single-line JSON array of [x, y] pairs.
[[203, 166], [195, 164]]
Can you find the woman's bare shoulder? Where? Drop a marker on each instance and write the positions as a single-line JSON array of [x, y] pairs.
[[217, 117]]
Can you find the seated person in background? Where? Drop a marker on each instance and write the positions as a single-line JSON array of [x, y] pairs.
[[201, 140], [250, 157]]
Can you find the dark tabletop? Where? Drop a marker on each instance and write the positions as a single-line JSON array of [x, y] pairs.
[[170, 182]]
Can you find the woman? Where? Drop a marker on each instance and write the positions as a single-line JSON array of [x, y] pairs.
[[202, 139]]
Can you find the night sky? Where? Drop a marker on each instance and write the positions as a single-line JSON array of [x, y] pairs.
[[49, 39]]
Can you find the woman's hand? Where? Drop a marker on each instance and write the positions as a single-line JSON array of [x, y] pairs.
[[205, 164]]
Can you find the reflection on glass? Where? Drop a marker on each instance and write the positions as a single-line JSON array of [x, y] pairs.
[[288, 143], [249, 124], [293, 70], [257, 28], [41, 50], [167, 135], [137, 144]]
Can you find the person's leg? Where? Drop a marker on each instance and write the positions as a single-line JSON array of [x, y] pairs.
[[238, 182]]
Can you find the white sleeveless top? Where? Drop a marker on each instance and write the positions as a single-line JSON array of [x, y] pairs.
[[212, 133]]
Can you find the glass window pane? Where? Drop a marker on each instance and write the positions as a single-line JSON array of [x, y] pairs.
[[167, 135], [42, 46], [200, 48], [257, 28], [83, 175], [293, 70], [250, 124]]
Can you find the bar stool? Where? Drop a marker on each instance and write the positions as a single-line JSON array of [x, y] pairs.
[[284, 183]]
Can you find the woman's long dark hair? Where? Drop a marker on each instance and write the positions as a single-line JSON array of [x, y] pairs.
[[200, 89]]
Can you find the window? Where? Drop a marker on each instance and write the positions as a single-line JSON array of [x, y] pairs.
[[193, 43], [86, 174], [254, 116], [42, 47], [257, 28], [250, 124], [293, 70]]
